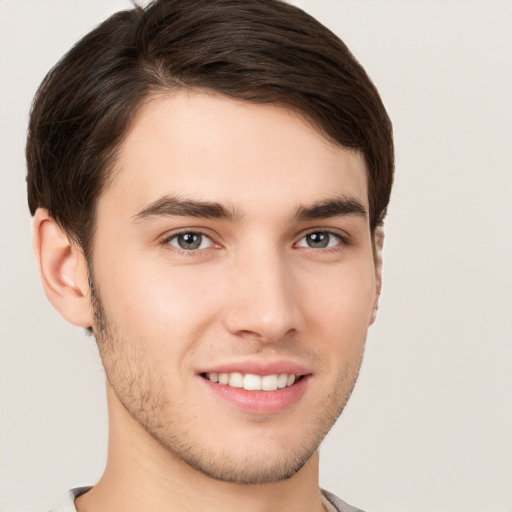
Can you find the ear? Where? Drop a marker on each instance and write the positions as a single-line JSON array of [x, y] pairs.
[[63, 270], [378, 244]]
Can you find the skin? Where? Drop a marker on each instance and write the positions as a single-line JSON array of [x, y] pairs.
[[255, 292]]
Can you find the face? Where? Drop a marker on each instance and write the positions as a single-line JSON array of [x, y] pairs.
[[234, 283]]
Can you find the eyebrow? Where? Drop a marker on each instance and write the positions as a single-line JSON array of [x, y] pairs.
[[325, 209], [178, 206]]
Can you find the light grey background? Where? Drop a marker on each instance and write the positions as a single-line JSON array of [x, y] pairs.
[[429, 427]]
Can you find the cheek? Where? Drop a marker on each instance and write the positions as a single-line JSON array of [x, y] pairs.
[[342, 295], [340, 307], [159, 301]]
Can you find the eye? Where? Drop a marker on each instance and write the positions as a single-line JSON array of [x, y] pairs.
[[190, 241], [320, 240]]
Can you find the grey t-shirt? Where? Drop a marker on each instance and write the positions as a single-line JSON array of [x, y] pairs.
[[68, 505]]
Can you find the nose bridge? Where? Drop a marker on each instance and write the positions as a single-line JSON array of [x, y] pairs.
[[264, 302]]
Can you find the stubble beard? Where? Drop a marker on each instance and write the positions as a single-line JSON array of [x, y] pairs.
[[143, 396]]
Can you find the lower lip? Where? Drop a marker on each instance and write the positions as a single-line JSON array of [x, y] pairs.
[[260, 402]]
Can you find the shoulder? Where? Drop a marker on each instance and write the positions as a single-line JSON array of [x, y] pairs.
[[68, 504], [338, 504]]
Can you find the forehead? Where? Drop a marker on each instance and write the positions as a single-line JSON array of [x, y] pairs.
[[214, 148]]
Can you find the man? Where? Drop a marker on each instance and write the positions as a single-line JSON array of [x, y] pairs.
[[207, 180]]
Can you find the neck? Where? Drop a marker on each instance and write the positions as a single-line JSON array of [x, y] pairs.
[[141, 474]]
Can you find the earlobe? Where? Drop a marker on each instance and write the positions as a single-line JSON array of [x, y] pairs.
[[63, 270], [378, 244]]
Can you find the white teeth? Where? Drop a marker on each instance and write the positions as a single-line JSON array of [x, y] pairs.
[[282, 380], [253, 382], [236, 380], [269, 382]]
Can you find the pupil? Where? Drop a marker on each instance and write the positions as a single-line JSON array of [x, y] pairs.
[[318, 240], [189, 241]]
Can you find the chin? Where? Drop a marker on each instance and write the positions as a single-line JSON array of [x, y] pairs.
[[251, 469]]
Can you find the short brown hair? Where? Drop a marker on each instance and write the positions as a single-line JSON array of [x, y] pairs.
[[263, 51]]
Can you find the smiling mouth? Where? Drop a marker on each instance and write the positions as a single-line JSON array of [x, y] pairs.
[[252, 382]]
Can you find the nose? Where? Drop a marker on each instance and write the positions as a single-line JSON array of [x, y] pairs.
[[264, 299]]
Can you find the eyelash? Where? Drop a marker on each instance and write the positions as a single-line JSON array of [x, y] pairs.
[[342, 241], [187, 252]]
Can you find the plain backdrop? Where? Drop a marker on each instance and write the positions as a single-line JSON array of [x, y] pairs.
[[429, 427]]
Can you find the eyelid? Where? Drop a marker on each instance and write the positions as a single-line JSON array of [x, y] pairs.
[[182, 231], [165, 239], [341, 236]]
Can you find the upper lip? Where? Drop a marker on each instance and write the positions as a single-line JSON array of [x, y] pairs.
[[258, 367]]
